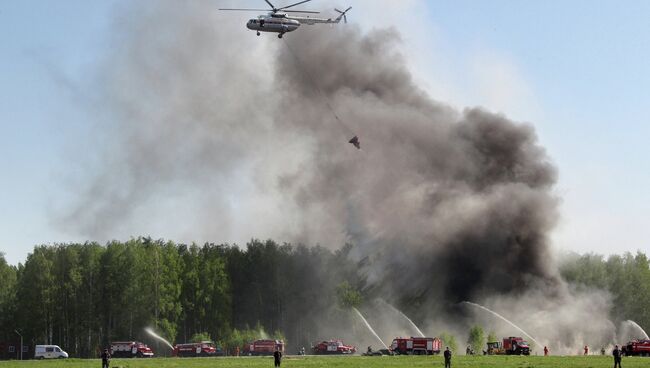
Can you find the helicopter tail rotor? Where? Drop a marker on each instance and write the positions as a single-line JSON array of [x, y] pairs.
[[345, 19]]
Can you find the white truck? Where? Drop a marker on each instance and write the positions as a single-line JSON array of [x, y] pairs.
[[49, 352]]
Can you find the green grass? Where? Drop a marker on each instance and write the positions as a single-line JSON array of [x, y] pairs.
[[343, 362]]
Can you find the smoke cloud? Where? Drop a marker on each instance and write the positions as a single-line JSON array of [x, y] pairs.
[[211, 133], [462, 199]]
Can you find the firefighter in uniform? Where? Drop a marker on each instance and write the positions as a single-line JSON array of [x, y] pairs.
[[106, 358], [277, 357], [617, 356], [447, 355]]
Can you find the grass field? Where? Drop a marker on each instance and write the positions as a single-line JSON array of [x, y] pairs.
[[343, 362]]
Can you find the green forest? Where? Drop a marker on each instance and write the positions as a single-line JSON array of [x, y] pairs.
[[626, 277], [82, 296]]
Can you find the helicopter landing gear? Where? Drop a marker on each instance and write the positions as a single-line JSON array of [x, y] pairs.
[[258, 33], [280, 35]]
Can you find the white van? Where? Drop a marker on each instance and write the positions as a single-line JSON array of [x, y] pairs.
[[49, 352]]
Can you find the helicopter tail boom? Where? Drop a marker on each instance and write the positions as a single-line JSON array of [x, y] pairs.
[[312, 21]]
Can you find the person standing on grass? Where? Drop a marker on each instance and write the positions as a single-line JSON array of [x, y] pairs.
[[617, 356], [277, 357], [545, 351], [447, 355], [106, 358]]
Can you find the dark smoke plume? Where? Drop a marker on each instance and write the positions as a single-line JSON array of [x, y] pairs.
[[443, 203]]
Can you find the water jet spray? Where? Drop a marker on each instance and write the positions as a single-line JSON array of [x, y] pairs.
[[158, 337], [503, 319], [636, 325], [404, 316], [370, 327]]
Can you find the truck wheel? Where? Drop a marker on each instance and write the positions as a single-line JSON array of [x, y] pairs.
[[139, 355]]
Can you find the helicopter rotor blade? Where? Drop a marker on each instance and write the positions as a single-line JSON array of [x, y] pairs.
[[345, 17], [301, 11], [292, 5], [343, 11], [244, 9], [271, 5]]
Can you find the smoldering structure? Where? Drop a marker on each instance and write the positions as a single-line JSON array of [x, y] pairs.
[[442, 205]]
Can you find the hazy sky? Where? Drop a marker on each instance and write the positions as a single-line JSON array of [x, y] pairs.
[[578, 71]]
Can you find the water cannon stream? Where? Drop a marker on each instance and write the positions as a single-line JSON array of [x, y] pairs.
[[503, 319], [636, 325], [158, 337], [403, 316], [370, 327]]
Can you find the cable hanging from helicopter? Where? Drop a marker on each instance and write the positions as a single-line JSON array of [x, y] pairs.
[[355, 140]]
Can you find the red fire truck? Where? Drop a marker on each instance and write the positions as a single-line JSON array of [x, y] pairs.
[[515, 346], [196, 349], [416, 345], [130, 349], [264, 347], [637, 347], [333, 347]]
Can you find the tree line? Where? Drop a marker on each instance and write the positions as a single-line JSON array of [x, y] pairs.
[[82, 296], [626, 277]]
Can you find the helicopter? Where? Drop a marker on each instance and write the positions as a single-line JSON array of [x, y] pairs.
[[278, 21]]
